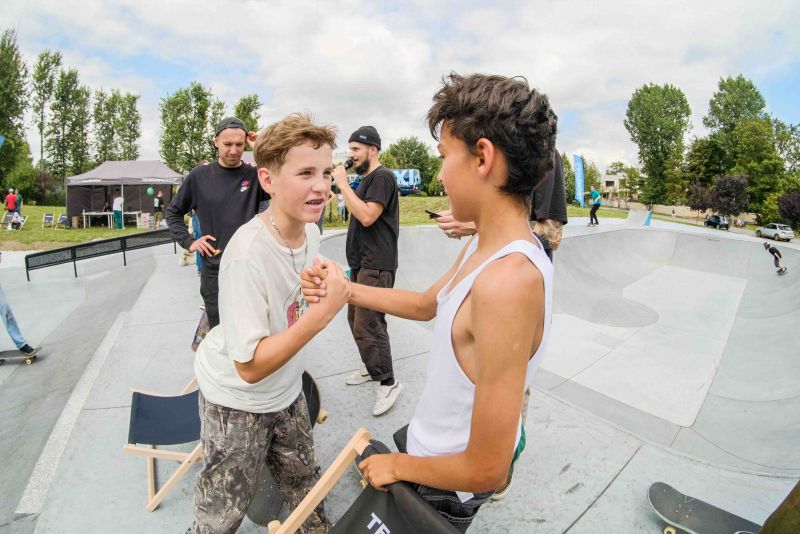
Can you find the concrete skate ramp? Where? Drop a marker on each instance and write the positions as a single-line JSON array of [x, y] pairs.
[[686, 340]]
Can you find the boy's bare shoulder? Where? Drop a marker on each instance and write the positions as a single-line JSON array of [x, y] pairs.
[[509, 275]]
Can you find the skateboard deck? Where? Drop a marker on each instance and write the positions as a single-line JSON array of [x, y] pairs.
[[268, 499], [682, 513], [782, 270], [17, 355], [200, 333]]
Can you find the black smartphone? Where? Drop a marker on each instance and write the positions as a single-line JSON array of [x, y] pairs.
[[432, 214]]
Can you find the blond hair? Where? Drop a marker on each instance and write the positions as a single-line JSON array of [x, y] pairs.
[[275, 141]]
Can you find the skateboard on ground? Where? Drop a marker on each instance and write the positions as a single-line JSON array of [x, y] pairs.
[[268, 499], [682, 513], [200, 333], [782, 270], [17, 355]]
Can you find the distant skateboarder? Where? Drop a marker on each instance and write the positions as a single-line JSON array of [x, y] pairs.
[[776, 257]]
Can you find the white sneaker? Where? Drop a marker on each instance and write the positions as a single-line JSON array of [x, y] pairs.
[[359, 377], [386, 396], [502, 491]]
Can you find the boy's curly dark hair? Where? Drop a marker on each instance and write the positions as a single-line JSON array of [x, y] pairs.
[[508, 113]]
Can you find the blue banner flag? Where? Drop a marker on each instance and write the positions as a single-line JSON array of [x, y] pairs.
[[2, 140], [578, 178]]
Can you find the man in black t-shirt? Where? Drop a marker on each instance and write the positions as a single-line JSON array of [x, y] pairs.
[[549, 207], [372, 256], [225, 194]]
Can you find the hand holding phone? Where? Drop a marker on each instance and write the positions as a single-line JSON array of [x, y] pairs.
[[432, 214]]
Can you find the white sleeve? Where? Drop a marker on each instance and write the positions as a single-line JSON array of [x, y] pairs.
[[243, 308]]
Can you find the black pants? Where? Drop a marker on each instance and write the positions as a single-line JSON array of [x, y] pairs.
[[209, 290], [593, 214], [369, 327]]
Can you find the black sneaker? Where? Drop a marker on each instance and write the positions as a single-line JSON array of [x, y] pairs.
[[27, 350]]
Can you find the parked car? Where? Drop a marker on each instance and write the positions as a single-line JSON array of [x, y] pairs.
[[778, 232], [717, 221]]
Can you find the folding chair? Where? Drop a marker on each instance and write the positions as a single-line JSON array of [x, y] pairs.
[[164, 420], [7, 220], [400, 510], [48, 220], [22, 222], [63, 220]]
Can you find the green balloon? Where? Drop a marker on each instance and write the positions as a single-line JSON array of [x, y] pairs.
[[150, 191]]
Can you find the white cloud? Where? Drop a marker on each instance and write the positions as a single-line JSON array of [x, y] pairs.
[[354, 63]]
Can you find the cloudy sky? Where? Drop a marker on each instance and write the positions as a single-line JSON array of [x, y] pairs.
[[352, 63]]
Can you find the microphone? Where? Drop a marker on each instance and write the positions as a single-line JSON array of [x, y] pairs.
[[347, 164]]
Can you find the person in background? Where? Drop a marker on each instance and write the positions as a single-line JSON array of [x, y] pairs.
[[225, 194], [158, 208], [117, 209], [11, 324], [595, 202], [372, 256]]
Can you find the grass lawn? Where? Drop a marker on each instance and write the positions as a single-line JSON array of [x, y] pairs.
[[34, 237]]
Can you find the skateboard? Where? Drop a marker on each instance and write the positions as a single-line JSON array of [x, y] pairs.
[[782, 270], [200, 333], [17, 355], [268, 498], [682, 513]]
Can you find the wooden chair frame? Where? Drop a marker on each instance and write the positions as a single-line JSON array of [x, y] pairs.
[[354, 447], [150, 453]]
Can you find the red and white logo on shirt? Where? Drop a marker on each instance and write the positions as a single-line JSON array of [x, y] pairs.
[[245, 186]]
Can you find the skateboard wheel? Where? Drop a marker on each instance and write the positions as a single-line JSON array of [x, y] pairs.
[[322, 416], [363, 484], [669, 530], [29, 361]]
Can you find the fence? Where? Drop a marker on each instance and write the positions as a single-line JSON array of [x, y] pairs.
[[95, 249]]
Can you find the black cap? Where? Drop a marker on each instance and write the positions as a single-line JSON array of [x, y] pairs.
[[367, 135], [230, 122]]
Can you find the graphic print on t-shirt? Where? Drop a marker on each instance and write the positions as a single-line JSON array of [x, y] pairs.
[[295, 306], [245, 186]]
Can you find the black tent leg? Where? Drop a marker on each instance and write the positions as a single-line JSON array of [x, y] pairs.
[[124, 258]]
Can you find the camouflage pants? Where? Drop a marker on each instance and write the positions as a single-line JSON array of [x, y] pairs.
[[235, 443]]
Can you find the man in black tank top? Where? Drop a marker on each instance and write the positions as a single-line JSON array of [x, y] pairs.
[[372, 256]]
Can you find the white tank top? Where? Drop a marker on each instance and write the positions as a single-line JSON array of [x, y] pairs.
[[443, 417]]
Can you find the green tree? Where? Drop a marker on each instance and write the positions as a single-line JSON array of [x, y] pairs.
[[736, 99], [435, 186], [67, 136], [128, 126], [23, 176], [657, 120], [789, 207], [569, 178], [105, 136], [43, 84], [704, 161], [677, 182], [412, 153], [247, 110], [699, 198], [188, 118], [757, 159], [13, 101], [729, 196], [787, 143], [632, 182], [770, 210]]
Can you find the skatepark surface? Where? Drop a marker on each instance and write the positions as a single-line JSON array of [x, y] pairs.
[[673, 358]]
